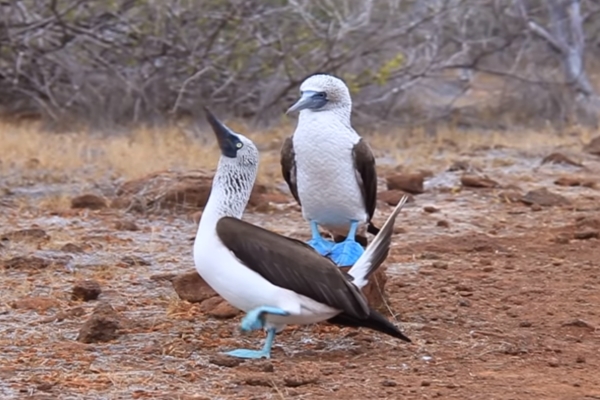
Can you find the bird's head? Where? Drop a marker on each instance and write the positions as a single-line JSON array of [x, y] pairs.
[[322, 92], [235, 147]]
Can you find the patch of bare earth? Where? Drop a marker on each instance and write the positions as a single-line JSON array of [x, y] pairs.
[[495, 283]]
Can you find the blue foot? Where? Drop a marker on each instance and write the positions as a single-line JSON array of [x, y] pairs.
[[255, 319], [244, 353], [321, 246], [346, 253], [265, 352], [349, 251]]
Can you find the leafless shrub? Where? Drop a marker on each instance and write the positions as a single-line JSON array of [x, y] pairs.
[[406, 61]]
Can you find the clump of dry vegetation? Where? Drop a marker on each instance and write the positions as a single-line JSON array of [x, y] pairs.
[[86, 155]]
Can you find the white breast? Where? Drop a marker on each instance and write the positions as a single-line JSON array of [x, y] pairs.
[[325, 173], [246, 290]]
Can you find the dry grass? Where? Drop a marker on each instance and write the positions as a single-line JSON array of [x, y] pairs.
[[62, 157]]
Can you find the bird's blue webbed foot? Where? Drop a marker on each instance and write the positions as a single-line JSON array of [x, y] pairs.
[[265, 352], [346, 253], [322, 246], [255, 319], [246, 353]]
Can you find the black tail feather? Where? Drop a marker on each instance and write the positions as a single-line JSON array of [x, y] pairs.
[[375, 321], [372, 229]]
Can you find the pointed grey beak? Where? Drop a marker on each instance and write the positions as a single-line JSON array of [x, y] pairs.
[[226, 138], [309, 99]]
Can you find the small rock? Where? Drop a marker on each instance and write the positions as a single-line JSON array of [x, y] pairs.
[[37, 303], [544, 198], [86, 290], [263, 366], [464, 303], [300, 379], [580, 359], [461, 165], [428, 255], [102, 326], [411, 183], [167, 276], [89, 201], [584, 222], [442, 223], [225, 361], [464, 288], [399, 230], [510, 196], [593, 147], [26, 235], [211, 303], [536, 207], [425, 383], [553, 363], [258, 381], [191, 287], [71, 248], [525, 324], [587, 234], [575, 181], [559, 158], [223, 310], [126, 225], [389, 383], [134, 261], [45, 386], [476, 181], [562, 238], [32, 262], [578, 323], [440, 264], [430, 209], [393, 197]]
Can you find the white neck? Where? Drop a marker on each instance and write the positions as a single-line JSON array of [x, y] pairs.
[[231, 189], [340, 114]]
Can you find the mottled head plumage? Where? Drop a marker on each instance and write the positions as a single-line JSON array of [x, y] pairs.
[[322, 92]]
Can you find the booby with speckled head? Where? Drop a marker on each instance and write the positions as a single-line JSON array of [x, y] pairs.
[[330, 169], [274, 279]]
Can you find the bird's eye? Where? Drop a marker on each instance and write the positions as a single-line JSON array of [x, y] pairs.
[[320, 95], [239, 145]]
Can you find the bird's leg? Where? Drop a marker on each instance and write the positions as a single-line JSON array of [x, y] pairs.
[[265, 352], [255, 319], [346, 253], [322, 246]]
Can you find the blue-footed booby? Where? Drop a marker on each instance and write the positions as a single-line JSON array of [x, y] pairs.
[[330, 169], [274, 279]]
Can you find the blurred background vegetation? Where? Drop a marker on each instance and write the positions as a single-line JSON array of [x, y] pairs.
[[486, 64]]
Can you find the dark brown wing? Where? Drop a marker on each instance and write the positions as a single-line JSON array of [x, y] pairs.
[[364, 164], [292, 264], [288, 167]]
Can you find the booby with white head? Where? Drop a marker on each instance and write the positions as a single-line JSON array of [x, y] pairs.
[[276, 280], [330, 169]]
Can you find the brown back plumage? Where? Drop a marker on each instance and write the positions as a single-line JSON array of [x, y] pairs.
[[293, 265]]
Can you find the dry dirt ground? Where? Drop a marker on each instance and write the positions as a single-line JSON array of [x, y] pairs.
[[500, 298]]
